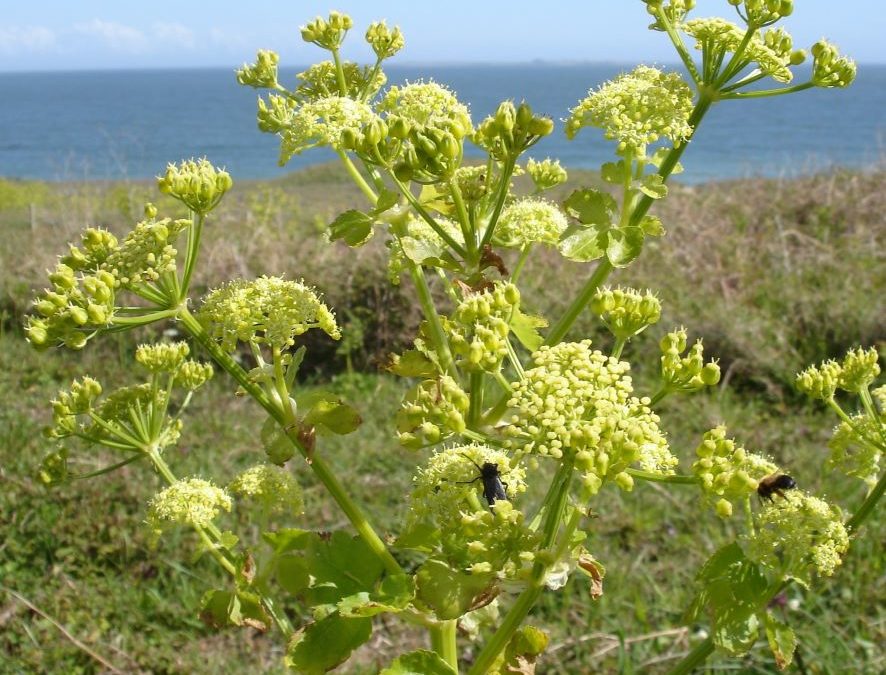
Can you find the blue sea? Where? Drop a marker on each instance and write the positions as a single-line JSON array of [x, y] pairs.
[[130, 124]]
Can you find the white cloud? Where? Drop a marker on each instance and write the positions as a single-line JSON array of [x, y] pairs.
[[175, 34], [27, 38], [116, 35]]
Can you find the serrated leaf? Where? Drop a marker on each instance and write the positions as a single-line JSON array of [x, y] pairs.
[[220, 608], [353, 227], [412, 363], [591, 207], [278, 447], [228, 540], [334, 416], [782, 640], [324, 644], [419, 662], [614, 172], [449, 592], [651, 226], [525, 329], [421, 251], [653, 186], [584, 245], [393, 594], [386, 200], [624, 245]]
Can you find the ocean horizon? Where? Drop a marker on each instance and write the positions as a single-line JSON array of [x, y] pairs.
[[128, 124]]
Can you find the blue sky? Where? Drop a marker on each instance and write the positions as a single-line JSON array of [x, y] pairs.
[[90, 34]]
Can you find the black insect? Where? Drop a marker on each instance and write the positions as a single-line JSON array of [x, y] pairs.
[[493, 487], [775, 485]]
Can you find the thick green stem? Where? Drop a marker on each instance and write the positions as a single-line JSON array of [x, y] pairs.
[[339, 73], [660, 478], [443, 642], [867, 506], [423, 212], [558, 330], [765, 93], [357, 177], [558, 494], [430, 312], [464, 219], [193, 250], [324, 474], [695, 658], [503, 186]]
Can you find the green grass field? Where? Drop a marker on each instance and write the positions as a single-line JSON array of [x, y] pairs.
[[773, 274]]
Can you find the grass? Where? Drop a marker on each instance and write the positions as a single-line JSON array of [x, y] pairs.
[[774, 274]]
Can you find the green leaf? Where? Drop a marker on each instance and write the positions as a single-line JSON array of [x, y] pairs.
[[393, 594], [614, 172], [651, 226], [412, 363], [591, 207], [420, 662], [524, 649], [525, 328], [288, 539], [782, 640], [354, 227], [293, 574], [584, 245], [419, 537], [324, 644], [736, 631], [228, 540], [340, 565], [386, 200], [277, 446], [624, 245], [334, 416], [653, 186], [219, 609], [450, 593], [421, 251]]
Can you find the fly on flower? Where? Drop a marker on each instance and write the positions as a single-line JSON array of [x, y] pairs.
[[493, 487], [775, 484]]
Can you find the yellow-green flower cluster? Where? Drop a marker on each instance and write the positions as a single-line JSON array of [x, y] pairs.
[[717, 37], [625, 311], [321, 81], [321, 123], [196, 183], [268, 310], [170, 357], [432, 412], [428, 104], [858, 369], [78, 304], [472, 183], [147, 252], [763, 12], [385, 42], [636, 109], [78, 400], [546, 174], [327, 33], [163, 357], [675, 11], [473, 536], [190, 501], [263, 73], [478, 328], [798, 536], [685, 373], [728, 472], [829, 68], [530, 220], [854, 449], [273, 488], [511, 130], [577, 400]]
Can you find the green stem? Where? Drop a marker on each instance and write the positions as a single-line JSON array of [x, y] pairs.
[[871, 410], [867, 506], [764, 93], [695, 658], [443, 642], [735, 63], [430, 312], [674, 479], [476, 394], [193, 249], [339, 73], [561, 328], [558, 494], [505, 183], [420, 210], [524, 256], [464, 220], [107, 469], [618, 347], [143, 319], [318, 466], [357, 177], [678, 44]]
